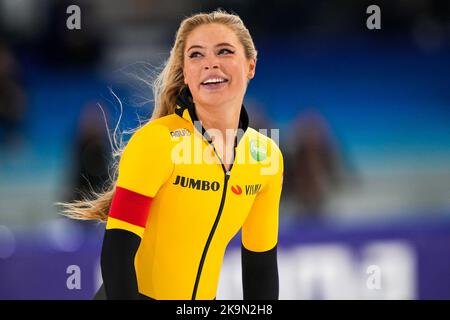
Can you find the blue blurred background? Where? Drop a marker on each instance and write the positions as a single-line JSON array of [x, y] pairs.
[[364, 119]]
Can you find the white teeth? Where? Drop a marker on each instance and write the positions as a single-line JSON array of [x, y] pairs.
[[214, 80]]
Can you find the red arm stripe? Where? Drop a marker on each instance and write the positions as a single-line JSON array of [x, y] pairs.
[[130, 207]]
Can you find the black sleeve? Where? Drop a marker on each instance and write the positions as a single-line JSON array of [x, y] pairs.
[[259, 274], [117, 264]]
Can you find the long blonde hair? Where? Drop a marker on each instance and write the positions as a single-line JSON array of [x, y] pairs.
[[166, 88]]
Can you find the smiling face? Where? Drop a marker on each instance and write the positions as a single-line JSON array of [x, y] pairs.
[[215, 66]]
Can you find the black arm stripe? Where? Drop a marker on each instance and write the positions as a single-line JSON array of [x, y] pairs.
[[260, 274], [117, 264]]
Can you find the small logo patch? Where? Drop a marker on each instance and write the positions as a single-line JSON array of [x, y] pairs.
[[258, 150], [180, 133], [237, 190]]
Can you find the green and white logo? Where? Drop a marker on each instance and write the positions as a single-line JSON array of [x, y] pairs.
[[258, 150]]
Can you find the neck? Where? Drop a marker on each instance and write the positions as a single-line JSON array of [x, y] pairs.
[[222, 122], [221, 118]]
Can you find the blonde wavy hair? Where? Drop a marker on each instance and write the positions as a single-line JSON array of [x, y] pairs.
[[166, 88]]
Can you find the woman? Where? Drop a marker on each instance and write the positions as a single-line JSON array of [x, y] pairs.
[[188, 181]]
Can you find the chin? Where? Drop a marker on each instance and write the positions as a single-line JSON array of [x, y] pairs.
[[215, 98]]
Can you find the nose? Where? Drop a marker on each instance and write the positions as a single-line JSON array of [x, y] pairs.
[[211, 63], [211, 66]]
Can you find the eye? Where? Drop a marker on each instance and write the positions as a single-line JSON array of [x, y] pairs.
[[195, 54], [225, 51]]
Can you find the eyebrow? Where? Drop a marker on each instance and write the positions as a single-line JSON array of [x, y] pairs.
[[217, 45]]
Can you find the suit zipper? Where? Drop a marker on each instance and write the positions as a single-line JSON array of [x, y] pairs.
[[216, 222]]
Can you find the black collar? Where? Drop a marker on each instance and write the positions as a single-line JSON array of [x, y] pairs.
[[185, 102]]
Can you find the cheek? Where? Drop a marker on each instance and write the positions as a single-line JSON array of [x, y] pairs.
[[189, 73], [239, 73]]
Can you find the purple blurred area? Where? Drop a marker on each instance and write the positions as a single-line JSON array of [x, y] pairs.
[[364, 119]]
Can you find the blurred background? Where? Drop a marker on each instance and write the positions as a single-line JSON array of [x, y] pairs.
[[364, 119]]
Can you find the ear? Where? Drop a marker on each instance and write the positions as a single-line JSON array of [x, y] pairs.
[[184, 78], [252, 68]]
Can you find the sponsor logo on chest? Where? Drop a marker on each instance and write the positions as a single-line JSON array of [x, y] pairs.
[[250, 189], [196, 184]]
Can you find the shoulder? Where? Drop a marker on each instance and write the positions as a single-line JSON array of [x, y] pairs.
[[152, 138], [261, 140], [264, 152], [156, 131]]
